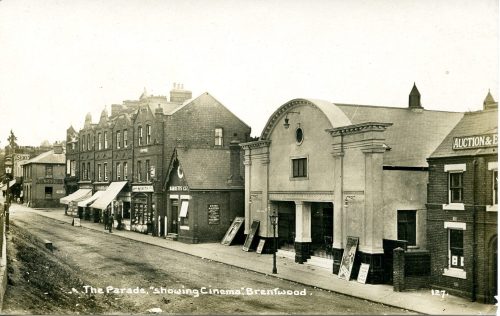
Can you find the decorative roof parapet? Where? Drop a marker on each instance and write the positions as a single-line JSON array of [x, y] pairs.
[[256, 144], [358, 128]]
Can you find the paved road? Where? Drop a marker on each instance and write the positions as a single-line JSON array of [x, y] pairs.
[[103, 260]]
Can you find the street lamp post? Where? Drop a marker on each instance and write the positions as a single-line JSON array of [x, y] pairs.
[[8, 173], [274, 221]]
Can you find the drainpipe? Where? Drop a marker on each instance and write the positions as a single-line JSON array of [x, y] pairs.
[[474, 233]]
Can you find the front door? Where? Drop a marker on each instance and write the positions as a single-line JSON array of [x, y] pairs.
[[174, 224]]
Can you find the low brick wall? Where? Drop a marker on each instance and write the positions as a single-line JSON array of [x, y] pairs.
[[411, 269]]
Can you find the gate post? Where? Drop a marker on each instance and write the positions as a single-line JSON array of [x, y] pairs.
[[398, 276]]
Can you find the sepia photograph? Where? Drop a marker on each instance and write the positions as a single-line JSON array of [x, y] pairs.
[[232, 157]]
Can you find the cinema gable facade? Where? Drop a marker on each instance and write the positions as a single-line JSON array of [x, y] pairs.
[[333, 171]]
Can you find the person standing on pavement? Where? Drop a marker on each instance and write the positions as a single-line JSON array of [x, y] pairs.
[[106, 219], [110, 224]]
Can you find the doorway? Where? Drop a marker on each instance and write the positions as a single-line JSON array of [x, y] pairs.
[[322, 230], [174, 224], [286, 225], [493, 264]]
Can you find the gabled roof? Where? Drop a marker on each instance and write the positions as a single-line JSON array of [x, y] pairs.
[[413, 136], [472, 123], [205, 168], [48, 158]]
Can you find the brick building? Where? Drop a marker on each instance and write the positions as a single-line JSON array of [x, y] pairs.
[[462, 207], [43, 178], [144, 137], [333, 171]]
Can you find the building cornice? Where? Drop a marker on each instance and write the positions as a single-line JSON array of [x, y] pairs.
[[358, 128], [256, 144]]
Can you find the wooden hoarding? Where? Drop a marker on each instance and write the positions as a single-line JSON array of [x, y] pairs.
[[251, 234], [363, 273], [260, 247], [348, 258], [232, 231]]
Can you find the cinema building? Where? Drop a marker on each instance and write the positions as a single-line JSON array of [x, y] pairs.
[[462, 208], [333, 171]]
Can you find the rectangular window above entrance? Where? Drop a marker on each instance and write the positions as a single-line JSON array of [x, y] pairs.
[[299, 168]]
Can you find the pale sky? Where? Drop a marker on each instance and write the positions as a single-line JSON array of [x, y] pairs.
[[62, 59]]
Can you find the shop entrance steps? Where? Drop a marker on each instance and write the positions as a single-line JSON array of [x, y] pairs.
[[172, 236], [320, 262]]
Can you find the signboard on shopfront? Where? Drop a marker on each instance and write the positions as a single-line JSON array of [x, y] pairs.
[[178, 188], [348, 258], [476, 141], [232, 231], [49, 181], [363, 273], [251, 235], [142, 188]]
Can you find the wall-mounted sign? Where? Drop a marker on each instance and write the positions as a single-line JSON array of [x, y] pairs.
[[476, 141], [21, 157], [143, 150], [213, 214], [49, 181], [142, 188], [178, 188]]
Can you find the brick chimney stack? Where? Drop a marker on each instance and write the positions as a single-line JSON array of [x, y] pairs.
[[179, 95]]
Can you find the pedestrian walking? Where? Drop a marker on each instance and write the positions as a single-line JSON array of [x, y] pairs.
[[106, 220]]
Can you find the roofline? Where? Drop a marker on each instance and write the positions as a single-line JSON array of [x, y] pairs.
[[391, 107]]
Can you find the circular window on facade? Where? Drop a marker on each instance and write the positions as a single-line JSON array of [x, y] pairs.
[[299, 135]]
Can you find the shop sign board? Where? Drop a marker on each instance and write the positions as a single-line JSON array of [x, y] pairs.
[[363, 272], [178, 188], [142, 188], [251, 235], [232, 231], [348, 258], [213, 214], [49, 181], [475, 141], [76, 222]]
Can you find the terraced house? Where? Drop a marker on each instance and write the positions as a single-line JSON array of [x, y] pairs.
[[125, 165]]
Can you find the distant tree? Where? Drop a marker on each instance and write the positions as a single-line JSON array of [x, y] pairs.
[[45, 143]]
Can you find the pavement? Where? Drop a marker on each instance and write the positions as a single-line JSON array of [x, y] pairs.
[[421, 301]]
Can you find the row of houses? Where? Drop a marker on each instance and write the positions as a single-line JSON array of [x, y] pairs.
[[381, 177]]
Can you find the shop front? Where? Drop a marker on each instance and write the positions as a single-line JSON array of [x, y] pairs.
[[110, 202], [71, 201], [143, 208]]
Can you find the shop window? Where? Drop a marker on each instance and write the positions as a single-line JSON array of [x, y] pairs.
[[105, 140], [48, 192], [99, 141], [139, 133], [118, 139], [183, 215], [299, 168], [147, 171], [125, 138], [125, 171], [407, 226], [139, 171], [99, 173], [105, 172], [148, 134], [49, 172], [118, 171], [219, 140], [456, 187]]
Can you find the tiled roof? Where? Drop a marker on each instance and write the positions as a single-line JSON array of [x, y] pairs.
[[413, 136], [48, 158], [472, 123], [205, 168]]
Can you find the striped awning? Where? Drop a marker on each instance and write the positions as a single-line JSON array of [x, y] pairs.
[[80, 193], [85, 202], [109, 195]]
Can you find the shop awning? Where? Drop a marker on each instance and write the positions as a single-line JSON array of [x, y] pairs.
[[12, 182], [108, 195], [85, 202], [75, 195]]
